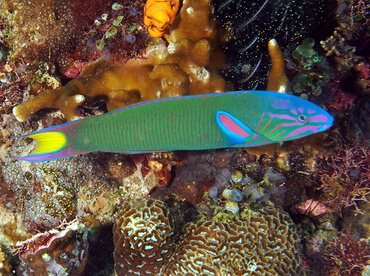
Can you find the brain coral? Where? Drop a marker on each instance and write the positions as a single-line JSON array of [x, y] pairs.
[[266, 244], [143, 235]]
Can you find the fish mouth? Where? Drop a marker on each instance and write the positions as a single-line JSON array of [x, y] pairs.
[[327, 124]]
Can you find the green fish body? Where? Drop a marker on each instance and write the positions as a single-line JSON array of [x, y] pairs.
[[232, 119]]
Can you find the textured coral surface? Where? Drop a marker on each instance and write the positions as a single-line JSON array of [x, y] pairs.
[[210, 212], [263, 244], [144, 234]]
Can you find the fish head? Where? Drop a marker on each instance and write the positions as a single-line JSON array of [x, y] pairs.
[[290, 117]]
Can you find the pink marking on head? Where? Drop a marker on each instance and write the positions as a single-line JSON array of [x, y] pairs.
[[282, 116], [320, 118], [299, 131], [276, 136], [301, 110], [311, 111], [232, 126], [260, 122], [278, 127], [293, 111], [268, 123]]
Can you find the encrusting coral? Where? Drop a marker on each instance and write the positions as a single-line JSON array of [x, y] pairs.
[[183, 68], [262, 243], [159, 15]]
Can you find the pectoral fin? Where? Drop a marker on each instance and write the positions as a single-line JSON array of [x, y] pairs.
[[235, 130]]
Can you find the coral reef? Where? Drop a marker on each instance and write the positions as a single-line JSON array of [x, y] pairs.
[[180, 69], [250, 25], [67, 32], [310, 70], [343, 177], [264, 244], [50, 29], [61, 251], [197, 174], [351, 254], [117, 34], [347, 45], [222, 211], [159, 15], [144, 235]]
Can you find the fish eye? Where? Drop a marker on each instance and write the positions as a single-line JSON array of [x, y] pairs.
[[302, 118]]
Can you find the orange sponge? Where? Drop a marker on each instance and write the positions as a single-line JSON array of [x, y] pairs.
[[159, 15]]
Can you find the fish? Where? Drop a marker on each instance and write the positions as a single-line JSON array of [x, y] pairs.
[[211, 121]]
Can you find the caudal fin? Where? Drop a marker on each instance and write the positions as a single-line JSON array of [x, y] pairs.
[[50, 145]]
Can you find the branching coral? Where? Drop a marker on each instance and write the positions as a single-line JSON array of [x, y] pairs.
[[180, 72], [5, 267], [180, 69]]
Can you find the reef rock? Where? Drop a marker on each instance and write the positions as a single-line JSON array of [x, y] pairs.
[[60, 251]]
